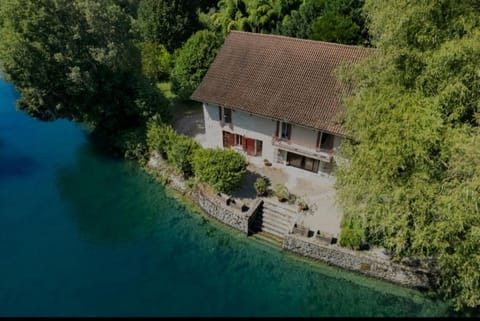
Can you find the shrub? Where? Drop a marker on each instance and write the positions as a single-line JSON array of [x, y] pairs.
[[160, 137], [281, 192], [156, 61], [302, 204], [260, 186], [180, 153], [192, 62], [223, 169], [351, 234]]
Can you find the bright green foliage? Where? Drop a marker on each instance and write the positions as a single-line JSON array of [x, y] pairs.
[[181, 152], [281, 192], [249, 15], [260, 186], [192, 62], [167, 22], [223, 169], [75, 60], [412, 175], [351, 234], [176, 148], [156, 61], [160, 137]]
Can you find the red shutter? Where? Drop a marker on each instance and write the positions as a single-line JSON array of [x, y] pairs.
[[289, 131], [244, 143], [232, 139], [278, 127]]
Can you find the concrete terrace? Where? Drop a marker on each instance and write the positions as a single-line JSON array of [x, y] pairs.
[[317, 191]]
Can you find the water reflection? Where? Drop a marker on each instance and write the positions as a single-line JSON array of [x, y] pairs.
[[99, 190]]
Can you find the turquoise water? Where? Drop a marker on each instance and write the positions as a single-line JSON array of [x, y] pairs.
[[86, 235]]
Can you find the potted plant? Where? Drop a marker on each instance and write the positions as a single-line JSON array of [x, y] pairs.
[[281, 192], [302, 205], [260, 186]]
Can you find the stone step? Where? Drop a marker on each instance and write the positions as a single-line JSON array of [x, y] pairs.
[[269, 214], [281, 225], [262, 225], [278, 207], [273, 229]]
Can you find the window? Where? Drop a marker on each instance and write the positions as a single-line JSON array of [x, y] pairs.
[[238, 140], [258, 144], [326, 141], [227, 115], [286, 129]]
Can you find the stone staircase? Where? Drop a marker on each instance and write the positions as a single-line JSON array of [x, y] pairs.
[[274, 218]]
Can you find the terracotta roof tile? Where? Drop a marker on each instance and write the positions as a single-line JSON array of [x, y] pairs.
[[279, 77]]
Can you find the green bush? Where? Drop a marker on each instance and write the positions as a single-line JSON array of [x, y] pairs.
[[160, 137], [351, 234], [281, 192], [260, 186], [180, 153], [222, 169], [192, 62], [156, 61]]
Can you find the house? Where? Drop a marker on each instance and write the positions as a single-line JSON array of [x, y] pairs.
[[277, 98]]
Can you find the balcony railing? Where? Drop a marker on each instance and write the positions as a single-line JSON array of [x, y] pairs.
[[313, 152]]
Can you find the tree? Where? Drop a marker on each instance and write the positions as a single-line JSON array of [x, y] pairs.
[[223, 169], [75, 60], [299, 22], [156, 61], [410, 179], [341, 22], [192, 62], [167, 22]]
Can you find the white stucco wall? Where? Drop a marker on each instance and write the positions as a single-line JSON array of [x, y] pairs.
[[258, 128], [304, 136]]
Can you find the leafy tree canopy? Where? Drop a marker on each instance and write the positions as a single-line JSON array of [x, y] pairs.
[[167, 22], [192, 62], [75, 60], [410, 179]]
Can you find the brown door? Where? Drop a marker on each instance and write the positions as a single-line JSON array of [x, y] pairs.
[[250, 146]]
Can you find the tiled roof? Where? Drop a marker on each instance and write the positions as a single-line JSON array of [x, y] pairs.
[[279, 77]]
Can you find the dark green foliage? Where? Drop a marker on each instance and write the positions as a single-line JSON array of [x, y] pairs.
[[223, 169], [167, 22], [299, 22], [192, 62], [335, 28], [411, 179], [341, 22], [75, 60]]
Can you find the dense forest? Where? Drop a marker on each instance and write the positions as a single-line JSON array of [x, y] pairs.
[[411, 182]]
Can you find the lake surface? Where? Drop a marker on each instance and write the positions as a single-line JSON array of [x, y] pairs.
[[86, 235]]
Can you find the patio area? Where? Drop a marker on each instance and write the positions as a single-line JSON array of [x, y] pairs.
[[318, 192]]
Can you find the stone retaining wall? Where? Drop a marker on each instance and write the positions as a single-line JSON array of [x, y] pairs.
[[213, 205], [357, 261]]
